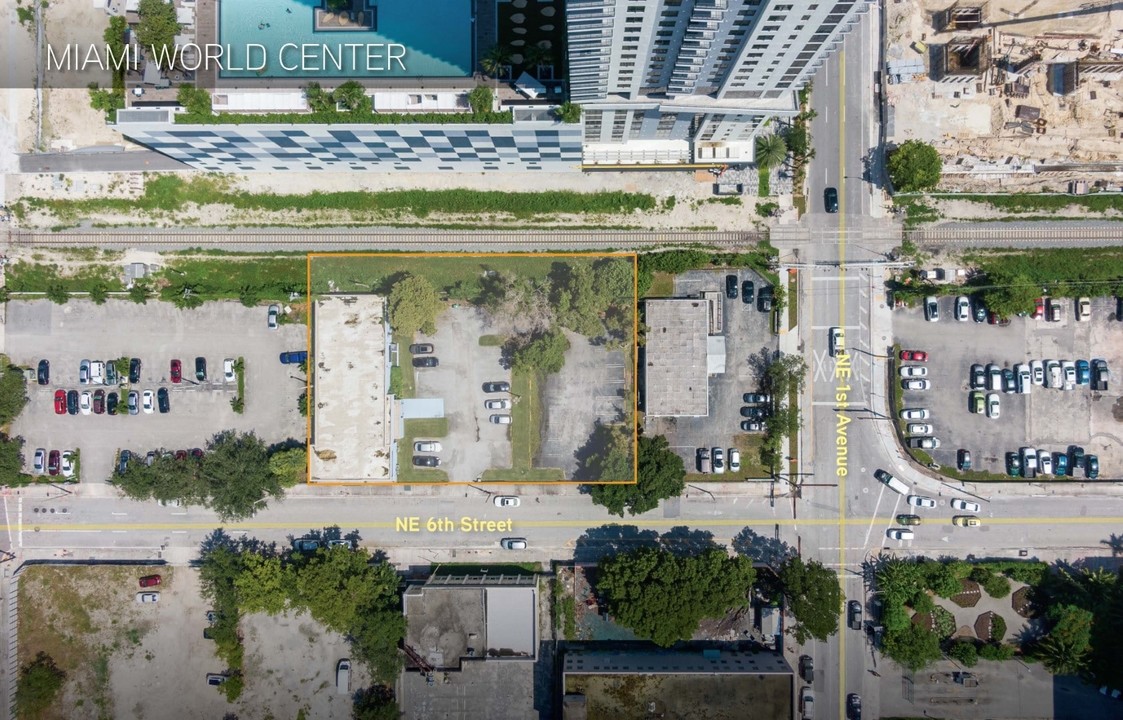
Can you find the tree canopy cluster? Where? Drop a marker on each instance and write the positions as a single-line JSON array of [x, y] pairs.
[[413, 306], [786, 374], [541, 352], [914, 166], [595, 300], [344, 589], [663, 597], [661, 474], [235, 477], [606, 455], [1084, 616], [157, 27], [814, 598]]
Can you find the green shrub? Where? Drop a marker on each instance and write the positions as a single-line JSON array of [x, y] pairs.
[[997, 652], [945, 622], [997, 586], [964, 652], [997, 628]]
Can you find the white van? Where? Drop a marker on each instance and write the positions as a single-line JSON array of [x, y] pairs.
[[343, 676], [892, 482]]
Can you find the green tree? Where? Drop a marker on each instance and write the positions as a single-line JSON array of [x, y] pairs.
[[139, 293], [481, 99], [39, 685], [413, 305], [157, 28], [495, 61], [814, 598], [771, 150], [58, 294], [661, 475], [338, 584], [615, 280], [569, 112], [1010, 293], [798, 141], [606, 456], [236, 471], [106, 101], [353, 97], [375, 638], [197, 101], [787, 373], [997, 652], [914, 166], [99, 293], [663, 597], [376, 703], [913, 648], [263, 584], [1065, 649], [13, 391], [290, 466], [964, 652], [11, 461], [319, 101], [535, 57], [544, 353]]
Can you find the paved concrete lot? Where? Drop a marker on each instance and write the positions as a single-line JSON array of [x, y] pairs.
[[590, 387], [473, 443], [1045, 419], [747, 341], [156, 333]]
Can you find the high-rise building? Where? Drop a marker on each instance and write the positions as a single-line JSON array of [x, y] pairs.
[[676, 80]]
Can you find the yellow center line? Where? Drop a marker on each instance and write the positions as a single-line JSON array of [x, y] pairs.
[[842, 323]]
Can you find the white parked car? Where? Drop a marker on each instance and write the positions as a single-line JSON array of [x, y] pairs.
[[994, 406], [965, 505], [734, 460], [427, 446], [85, 402], [66, 464], [1053, 377], [274, 313], [1068, 369], [97, 372], [900, 534], [506, 501], [1046, 462], [1022, 378], [919, 429], [909, 371], [228, 370], [915, 414], [920, 384], [497, 404], [147, 597], [148, 401], [921, 501], [500, 419], [962, 309], [717, 456], [1029, 459], [1037, 371], [39, 466]]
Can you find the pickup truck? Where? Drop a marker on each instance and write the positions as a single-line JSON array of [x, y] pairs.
[[1100, 375]]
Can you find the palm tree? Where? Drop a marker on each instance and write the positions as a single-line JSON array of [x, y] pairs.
[[536, 56], [771, 150], [494, 60]]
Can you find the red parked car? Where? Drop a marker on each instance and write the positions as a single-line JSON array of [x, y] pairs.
[[150, 581], [99, 402], [53, 462], [177, 371], [1038, 308], [60, 402], [914, 355]]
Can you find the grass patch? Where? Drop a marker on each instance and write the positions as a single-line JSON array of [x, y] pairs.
[[238, 402], [662, 285], [413, 429], [525, 432], [1033, 202], [793, 299], [460, 275], [917, 211], [491, 341], [1091, 271], [764, 190], [800, 204], [565, 611], [38, 277], [749, 445]]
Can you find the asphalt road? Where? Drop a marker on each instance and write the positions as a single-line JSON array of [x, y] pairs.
[[106, 159]]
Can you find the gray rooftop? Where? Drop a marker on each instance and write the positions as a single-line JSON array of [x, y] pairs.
[[676, 376]]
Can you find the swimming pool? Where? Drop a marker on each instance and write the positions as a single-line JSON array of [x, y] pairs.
[[278, 39]]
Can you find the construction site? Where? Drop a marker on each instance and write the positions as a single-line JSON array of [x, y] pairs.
[[1022, 95]]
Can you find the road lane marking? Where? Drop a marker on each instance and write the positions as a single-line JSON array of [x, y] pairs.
[[842, 318]]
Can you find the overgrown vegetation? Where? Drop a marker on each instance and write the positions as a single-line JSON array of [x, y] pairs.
[[814, 598], [238, 402], [39, 683], [914, 166], [660, 475], [784, 378], [675, 262]]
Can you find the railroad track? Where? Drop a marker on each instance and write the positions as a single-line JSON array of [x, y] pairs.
[[396, 239], [1045, 233]]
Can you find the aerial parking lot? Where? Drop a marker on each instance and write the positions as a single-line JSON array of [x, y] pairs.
[[1012, 405], [156, 334]]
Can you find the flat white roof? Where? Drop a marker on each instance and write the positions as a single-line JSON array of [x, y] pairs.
[[511, 620], [268, 100], [676, 365]]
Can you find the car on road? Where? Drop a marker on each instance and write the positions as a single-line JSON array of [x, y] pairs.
[[426, 461], [734, 460], [830, 199], [513, 543], [150, 581], [963, 460], [426, 362], [900, 534], [134, 402], [60, 402], [148, 402], [54, 459], [66, 464], [228, 370], [915, 414], [506, 501], [854, 615], [924, 443], [1023, 379], [497, 387], [748, 292], [177, 371], [853, 706], [978, 377], [807, 668], [918, 429], [1076, 455], [962, 308], [1083, 308], [503, 404], [293, 357], [915, 384], [306, 544], [421, 349], [1013, 464], [72, 402], [273, 316], [44, 372], [807, 703], [1060, 464], [147, 597], [914, 356], [921, 501], [86, 402], [163, 403], [965, 505], [1091, 467], [99, 402], [977, 402], [731, 286], [966, 521], [134, 370], [717, 457], [1037, 372], [39, 464], [909, 371], [834, 342], [751, 426], [1045, 462], [756, 398], [764, 299], [111, 403], [201, 369], [427, 446], [84, 372], [906, 519], [1083, 372], [1009, 381], [500, 419], [931, 309]]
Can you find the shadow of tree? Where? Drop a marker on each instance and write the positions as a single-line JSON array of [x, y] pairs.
[[1115, 543], [768, 550], [684, 542], [605, 540]]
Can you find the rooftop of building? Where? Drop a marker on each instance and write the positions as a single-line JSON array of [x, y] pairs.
[[676, 374]]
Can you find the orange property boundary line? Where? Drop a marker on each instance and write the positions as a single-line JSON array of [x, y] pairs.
[[633, 370]]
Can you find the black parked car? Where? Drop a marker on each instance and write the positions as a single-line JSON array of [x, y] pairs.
[[123, 461], [420, 349], [110, 373], [752, 413], [748, 291], [764, 299], [494, 387], [134, 370], [201, 369], [979, 311], [731, 287], [111, 403], [72, 402], [426, 461], [424, 362], [162, 400], [1075, 451], [44, 372]]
